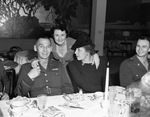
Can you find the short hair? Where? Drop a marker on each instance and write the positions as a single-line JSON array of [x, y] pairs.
[[144, 38], [59, 27], [60, 24], [43, 37]]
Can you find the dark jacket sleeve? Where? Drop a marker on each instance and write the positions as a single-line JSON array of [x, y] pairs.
[[74, 84], [67, 86], [24, 82], [125, 74], [4, 79]]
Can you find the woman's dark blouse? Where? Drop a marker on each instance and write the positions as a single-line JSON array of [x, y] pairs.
[[86, 76]]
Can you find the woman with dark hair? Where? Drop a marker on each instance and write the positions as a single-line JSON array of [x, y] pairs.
[[62, 44], [83, 73]]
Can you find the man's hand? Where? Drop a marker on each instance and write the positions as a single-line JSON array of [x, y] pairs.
[[34, 72], [35, 63]]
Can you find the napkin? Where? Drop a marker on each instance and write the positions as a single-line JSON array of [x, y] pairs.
[[52, 112], [74, 97]]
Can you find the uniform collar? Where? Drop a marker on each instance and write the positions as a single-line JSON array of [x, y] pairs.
[[138, 61], [50, 63], [135, 58]]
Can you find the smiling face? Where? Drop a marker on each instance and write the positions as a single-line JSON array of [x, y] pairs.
[[43, 48], [60, 36], [142, 47], [81, 53]]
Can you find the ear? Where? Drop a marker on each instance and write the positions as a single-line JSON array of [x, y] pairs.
[[35, 49]]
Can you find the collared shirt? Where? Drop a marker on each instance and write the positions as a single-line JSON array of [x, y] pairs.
[[68, 56], [131, 70]]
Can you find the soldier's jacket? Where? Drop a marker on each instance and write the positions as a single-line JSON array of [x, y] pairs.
[[131, 70]]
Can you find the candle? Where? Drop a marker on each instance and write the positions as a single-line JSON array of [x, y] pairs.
[[107, 82]]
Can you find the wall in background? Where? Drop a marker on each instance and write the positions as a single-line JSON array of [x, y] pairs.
[[127, 15], [25, 44], [123, 10]]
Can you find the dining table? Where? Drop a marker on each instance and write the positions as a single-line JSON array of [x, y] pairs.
[[66, 105], [86, 105], [117, 104]]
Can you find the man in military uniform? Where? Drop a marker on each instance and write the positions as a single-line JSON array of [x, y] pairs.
[[132, 69], [48, 77]]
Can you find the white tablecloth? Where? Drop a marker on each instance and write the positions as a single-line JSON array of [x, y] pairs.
[[91, 108]]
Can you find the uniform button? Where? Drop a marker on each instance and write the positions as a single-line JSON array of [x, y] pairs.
[[138, 64], [45, 74], [56, 73], [46, 80], [46, 86], [137, 75]]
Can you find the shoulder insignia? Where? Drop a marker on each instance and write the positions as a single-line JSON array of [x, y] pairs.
[[131, 59]]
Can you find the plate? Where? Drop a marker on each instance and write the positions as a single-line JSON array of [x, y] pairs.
[[18, 101], [18, 111], [52, 112]]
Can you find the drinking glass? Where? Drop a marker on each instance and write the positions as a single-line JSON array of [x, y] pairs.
[[41, 101]]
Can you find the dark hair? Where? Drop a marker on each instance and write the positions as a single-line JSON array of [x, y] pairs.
[[43, 37], [144, 38], [59, 25]]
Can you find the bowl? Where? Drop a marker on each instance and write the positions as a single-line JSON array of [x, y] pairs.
[[98, 94], [18, 107]]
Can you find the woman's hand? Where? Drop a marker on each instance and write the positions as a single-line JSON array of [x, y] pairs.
[[96, 60], [5, 97]]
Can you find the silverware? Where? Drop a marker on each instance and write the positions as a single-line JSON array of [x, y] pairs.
[[34, 104], [78, 107], [67, 106]]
